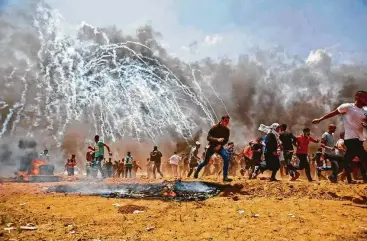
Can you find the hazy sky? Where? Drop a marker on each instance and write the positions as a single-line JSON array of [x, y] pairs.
[[230, 27]]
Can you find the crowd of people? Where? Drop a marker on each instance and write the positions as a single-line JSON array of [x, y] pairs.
[[277, 149]]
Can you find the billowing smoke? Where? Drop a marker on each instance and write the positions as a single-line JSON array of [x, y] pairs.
[[67, 83]]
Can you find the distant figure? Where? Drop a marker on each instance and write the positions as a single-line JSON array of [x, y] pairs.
[[128, 164], [136, 167], [156, 157], [98, 152], [109, 167], [45, 156], [70, 165], [174, 161]]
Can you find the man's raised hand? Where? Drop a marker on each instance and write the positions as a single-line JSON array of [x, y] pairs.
[[316, 121]]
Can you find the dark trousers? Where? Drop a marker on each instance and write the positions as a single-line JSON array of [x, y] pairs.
[[157, 167], [288, 159], [128, 172], [209, 153], [70, 171], [192, 169], [304, 164], [336, 161], [354, 149], [271, 163]]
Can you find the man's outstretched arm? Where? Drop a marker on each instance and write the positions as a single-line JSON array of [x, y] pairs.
[[108, 148], [327, 116]]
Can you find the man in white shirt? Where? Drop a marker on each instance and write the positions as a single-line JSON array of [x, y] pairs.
[[355, 123], [174, 161]]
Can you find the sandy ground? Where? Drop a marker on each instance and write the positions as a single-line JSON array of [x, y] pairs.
[[250, 210]]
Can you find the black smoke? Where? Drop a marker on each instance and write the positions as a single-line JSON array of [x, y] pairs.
[[261, 86]]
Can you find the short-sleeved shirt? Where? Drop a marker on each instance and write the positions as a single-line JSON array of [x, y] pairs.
[[99, 149], [129, 161], [352, 119], [287, 140], [174, 159], [329, 141], [303, 142]]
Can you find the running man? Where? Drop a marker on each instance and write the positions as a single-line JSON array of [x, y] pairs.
[[355, 122], [302, 153], [98, 152], [218, 136]]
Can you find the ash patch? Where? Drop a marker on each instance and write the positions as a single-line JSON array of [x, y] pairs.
[[171, 191]]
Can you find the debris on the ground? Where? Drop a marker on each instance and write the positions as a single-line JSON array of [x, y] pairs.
[[116, 205], [22, 204], [256, 215], [241, 212], [131, 209], [9, 224], [150, 228], [137, 212], [9, 229], [291, 215], [29, 226]]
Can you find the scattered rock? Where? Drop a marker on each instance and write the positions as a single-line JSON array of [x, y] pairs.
[[256, 215], [150, 228], [279, 198], [241, 212]]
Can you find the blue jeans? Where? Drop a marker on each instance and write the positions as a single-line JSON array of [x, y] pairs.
[[334, 160], [209, 153]]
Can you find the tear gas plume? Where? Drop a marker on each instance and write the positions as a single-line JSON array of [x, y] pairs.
[[66, 83]]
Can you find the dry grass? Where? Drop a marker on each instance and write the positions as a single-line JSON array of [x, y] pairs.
[[320, 212]]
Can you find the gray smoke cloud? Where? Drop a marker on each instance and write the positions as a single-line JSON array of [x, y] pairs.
[[261, 86]]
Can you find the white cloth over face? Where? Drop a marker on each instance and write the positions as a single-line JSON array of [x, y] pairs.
[[271, 129]]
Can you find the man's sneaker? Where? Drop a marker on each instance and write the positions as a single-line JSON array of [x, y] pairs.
[[242, 171], [226, 179], [333, 180], [196, 175]]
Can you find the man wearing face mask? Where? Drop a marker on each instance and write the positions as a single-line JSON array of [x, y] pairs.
[[355, 123], [218, 136], [302, 152]]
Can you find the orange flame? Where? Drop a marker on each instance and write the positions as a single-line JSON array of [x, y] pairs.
[[35, 167]]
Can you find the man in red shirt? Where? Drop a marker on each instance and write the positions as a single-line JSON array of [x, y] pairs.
[[302, 152]]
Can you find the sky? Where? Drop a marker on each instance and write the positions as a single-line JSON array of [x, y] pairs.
[[195, 29]]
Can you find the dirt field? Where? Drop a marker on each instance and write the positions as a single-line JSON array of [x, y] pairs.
[[250, 210]]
